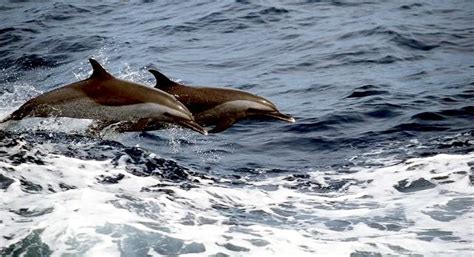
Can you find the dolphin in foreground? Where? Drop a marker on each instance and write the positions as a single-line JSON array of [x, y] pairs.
[[109, 100], [219, 107]]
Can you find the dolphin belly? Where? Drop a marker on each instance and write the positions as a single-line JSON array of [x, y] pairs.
[[86, 108], [236, 109], [226, 114]]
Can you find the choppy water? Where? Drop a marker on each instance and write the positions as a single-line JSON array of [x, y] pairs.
[[379, 163]]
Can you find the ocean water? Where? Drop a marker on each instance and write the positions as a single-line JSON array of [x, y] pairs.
[[379, 163]]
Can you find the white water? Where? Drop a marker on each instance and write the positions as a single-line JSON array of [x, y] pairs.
[[268, 217]]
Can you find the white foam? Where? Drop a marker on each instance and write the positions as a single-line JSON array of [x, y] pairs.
[[280, 222]]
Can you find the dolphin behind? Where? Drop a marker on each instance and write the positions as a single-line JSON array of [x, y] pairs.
[[219, 107], [104, 98]]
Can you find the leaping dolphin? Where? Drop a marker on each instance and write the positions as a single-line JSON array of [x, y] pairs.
[[109, 100], [219, 107]]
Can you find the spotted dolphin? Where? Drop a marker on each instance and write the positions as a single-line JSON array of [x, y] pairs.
[[109, 100], [219, 107]]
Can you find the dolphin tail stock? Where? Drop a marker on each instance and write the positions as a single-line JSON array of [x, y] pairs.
[[15, 117], [5, 123], [18, 114], [6, 119]]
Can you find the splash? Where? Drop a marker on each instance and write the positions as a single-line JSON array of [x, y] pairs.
[[126, 205]]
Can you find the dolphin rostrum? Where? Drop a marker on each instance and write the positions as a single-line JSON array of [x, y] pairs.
[[109, 100], [219, 107]]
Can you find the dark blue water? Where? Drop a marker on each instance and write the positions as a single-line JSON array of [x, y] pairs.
[[370, 83]]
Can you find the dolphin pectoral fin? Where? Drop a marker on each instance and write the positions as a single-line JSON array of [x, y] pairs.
[[145, 124], [97, 126], [162, 82], [223, 124], [280, 116], [133, 126]]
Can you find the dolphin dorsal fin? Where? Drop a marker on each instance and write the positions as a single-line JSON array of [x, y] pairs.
[[98, 71], [161, 80]]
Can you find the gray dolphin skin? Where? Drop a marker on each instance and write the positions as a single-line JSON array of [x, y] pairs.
[[219, 107], [109, 100]]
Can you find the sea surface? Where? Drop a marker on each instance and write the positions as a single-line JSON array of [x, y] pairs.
[[379, 163]]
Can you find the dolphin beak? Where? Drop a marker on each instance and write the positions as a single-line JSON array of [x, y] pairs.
[[193, 126], [280, 116]]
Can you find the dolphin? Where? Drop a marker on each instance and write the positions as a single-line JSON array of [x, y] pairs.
[[219, 107], [109, 100]]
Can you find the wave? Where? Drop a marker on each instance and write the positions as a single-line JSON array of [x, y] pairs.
[[160, 206], [367, 90], [466, 112]]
